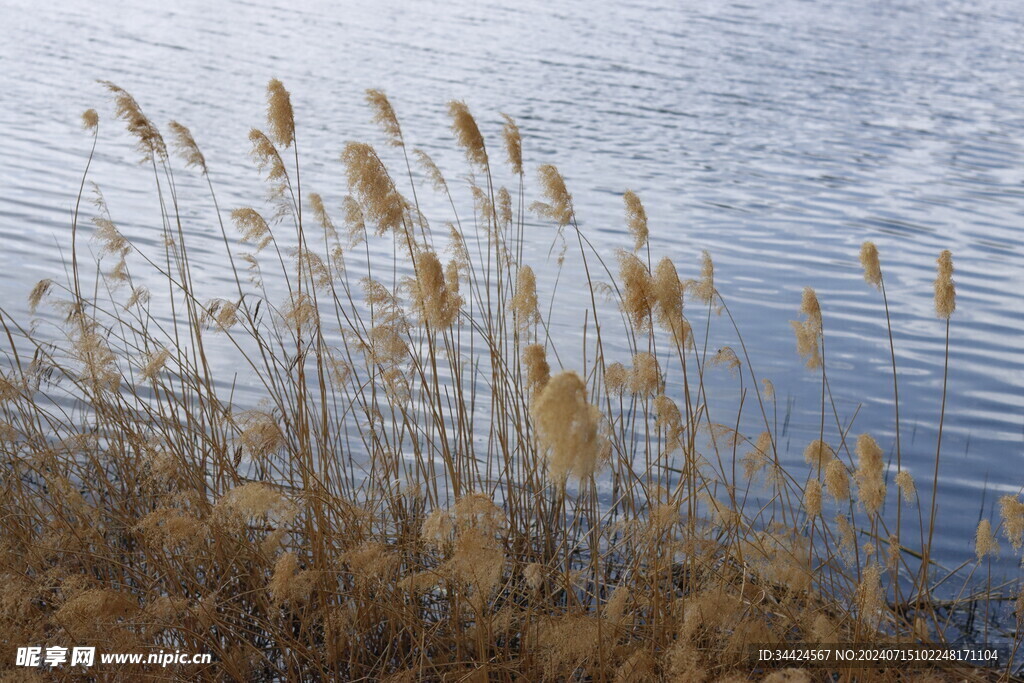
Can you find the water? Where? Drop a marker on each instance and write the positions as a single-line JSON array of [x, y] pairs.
[[777, 135]]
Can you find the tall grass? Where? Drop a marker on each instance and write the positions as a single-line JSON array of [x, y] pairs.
[[433, 486]]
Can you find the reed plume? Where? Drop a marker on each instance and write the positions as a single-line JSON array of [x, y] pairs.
[[186, 146], [837, 480], [252, 226], [1012, 511], [905, 483], [433, 298], [568, 427], [513, 144], [370, 183], [704, 289], [809, 331], [559, 202], [984, 541], [384, 116], [812, 498], [149, 141], [90, 120], [636, 220], [467, 134], [818, 454], [524, 302], [645, 377], [870, 474], [639, 297], [945, 288], [280, 117], [869, 260]]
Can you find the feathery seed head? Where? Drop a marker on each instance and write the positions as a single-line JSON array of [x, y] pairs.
[[636, 219], [437, 305], [155, 363], [905, 482], [149, 140], [837, 480], [316, 202], [1012, 511], [186, 146], [638, 297], [537, 369], [812, 498], [945, 288], [467, 133], [253, 227], [35, 297], [668, 298], [704, 289], [431, 169], [984, 541], [513, 144], [90, 119], [818, 454], [725, 356], [809, 331], [559, 202], [870, 475], [568, 427], [384, 116], [645, 377], [280, 117], [370, 182], [869, 260], [524, 302], [615, 377], [870, 597]]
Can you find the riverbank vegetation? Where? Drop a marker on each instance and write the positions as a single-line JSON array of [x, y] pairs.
[[434, 485]]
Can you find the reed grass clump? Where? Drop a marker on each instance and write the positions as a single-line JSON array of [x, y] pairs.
[[343, 466]]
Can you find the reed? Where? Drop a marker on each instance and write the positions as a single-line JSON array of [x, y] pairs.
[[433, 486]]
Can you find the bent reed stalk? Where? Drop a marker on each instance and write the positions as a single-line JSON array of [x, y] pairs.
[[431, 488]]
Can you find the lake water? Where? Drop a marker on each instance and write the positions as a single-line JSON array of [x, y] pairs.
[[777, 135]]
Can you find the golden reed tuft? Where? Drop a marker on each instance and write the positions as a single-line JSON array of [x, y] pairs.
[[90, 119], [809, 331], [559, 202], [513, 144], [384, 116], [1012, 511], [984, 541], [905, 483], [186, 146], [280, 117], [149, 140], [812, 498], [467, 133], [869, 260], [818, 454], [945, 288], [433, 297], [638, 298], [870, 475], [636, 220], [837, 480], [568, 427], [524, 302], [538, 372], [370, 182]]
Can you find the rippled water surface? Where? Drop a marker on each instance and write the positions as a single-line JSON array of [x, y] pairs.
[[776, 135]]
